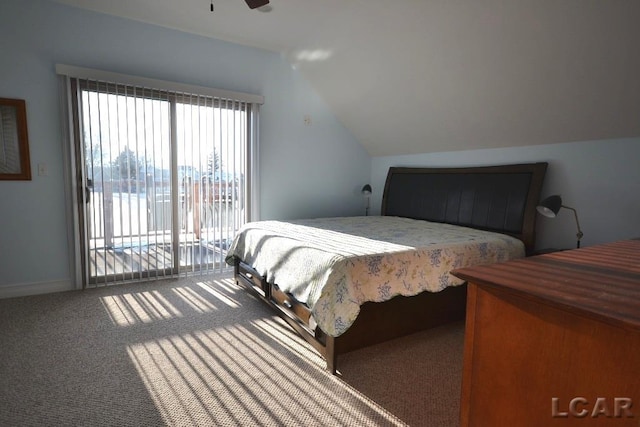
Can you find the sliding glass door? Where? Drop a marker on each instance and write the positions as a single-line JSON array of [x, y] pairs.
[[164, 179]]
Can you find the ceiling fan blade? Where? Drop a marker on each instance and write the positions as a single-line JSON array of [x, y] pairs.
[[256, 3]]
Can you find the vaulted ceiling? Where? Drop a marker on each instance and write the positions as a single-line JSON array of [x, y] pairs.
[[419, 76]]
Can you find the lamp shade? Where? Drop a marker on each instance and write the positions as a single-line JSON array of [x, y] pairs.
[[254, 4], [366, 190], [550, 206]]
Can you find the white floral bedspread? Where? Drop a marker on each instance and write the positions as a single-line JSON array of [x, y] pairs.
[[336, 264]]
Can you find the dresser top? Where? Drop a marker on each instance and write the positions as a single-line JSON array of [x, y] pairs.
[[601, 281]]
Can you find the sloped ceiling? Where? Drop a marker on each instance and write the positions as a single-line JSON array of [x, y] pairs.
[[419, 76]]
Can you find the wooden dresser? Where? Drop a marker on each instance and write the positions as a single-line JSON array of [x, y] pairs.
[[554, 340]]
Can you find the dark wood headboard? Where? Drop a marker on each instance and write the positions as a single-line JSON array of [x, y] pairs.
[[495, 198]]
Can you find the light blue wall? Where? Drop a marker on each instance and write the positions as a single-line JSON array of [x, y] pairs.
[[600, 179], [305, 170]]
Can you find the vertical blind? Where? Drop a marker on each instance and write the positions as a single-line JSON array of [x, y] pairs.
[[162, 173]]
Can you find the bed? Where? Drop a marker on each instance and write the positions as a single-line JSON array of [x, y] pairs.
[[347, 283]]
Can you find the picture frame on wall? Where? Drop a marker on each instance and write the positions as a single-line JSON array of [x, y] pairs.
[[14, 143]]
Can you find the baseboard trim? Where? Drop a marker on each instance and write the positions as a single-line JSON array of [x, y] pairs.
[[38, 288]]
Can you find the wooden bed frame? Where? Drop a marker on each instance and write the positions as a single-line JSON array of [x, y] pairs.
[[496, 198]]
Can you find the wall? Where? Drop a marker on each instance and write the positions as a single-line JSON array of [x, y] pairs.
[[600, 179], [315, 170], [305, 170]]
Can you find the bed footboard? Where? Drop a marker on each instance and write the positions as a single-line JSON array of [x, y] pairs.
[[296, 314], [376, 323]]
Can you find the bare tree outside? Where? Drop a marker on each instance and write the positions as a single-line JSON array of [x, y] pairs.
[[126, 166]]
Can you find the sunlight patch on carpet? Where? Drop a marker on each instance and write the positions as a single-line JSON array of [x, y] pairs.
[[138, 307], [241, 375], [223, 298], [194, 300]]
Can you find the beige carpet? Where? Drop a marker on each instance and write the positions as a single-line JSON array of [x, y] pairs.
[[200, 351]]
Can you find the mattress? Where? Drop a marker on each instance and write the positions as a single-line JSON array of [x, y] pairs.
[[334, 265]]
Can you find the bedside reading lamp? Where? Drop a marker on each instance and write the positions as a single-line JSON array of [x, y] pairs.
[[550, 206], [366, 192]]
